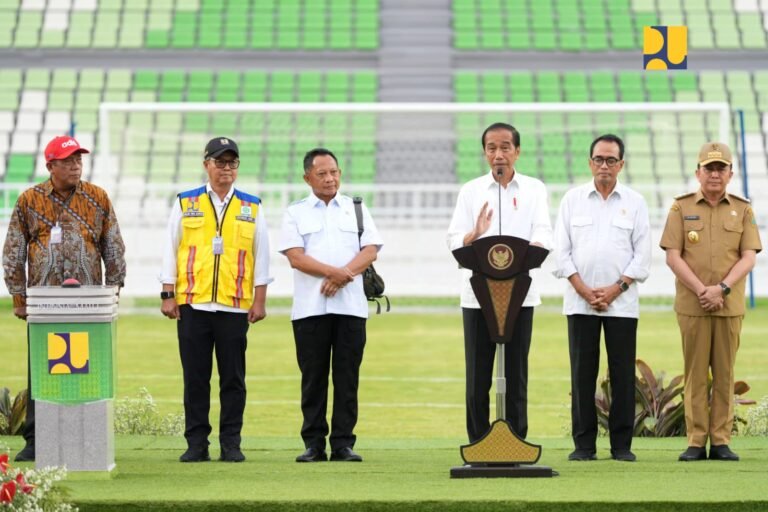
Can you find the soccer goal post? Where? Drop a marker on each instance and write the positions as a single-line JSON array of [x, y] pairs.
[[408, 162]]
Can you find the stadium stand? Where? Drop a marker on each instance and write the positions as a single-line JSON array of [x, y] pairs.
[[36, 104], [338, 25], [600, 25], [60, 59]]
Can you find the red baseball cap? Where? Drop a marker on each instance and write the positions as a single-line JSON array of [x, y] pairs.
[[61, 147]]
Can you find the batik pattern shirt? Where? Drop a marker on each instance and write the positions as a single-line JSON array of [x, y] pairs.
[[89, 235]]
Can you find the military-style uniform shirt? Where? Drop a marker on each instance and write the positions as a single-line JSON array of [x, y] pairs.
[[710, 240]]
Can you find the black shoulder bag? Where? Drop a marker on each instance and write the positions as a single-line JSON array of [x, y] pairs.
[[373, 284]]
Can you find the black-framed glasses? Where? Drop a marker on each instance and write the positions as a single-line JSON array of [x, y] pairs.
[[72, 161], [220, 164], [610, 161]]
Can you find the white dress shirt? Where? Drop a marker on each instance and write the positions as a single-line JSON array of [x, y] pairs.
[[524, 214], [260, 248], [603, 239], [327, 233]]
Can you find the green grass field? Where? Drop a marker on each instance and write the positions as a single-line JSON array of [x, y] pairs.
[[411, 424], [412, 373]]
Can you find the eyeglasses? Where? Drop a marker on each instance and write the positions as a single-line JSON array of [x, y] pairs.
[[220, 164], [610, 161], [72, 161]]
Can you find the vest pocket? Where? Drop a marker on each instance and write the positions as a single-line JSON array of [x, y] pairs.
[[193, 231], [245, 235]]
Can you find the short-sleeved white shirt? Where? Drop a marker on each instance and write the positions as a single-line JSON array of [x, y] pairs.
[[327, 233]]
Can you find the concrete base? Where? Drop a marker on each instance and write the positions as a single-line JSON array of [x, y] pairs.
[[80, 437]]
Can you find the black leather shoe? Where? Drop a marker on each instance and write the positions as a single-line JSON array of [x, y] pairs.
[[345, 455], [232, 454], [27, 454], [693, 453], [580, 454], [721, 452], [623, 455], [195, 454], [312, 454]]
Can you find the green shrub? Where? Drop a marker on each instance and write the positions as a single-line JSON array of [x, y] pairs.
[[139, 416], [12, 414], [757, 419], [659, 409]]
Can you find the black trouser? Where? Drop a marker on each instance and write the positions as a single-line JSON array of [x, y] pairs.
[[199, 333], [479, 352], [29, 422], [324, 343], [584, 348]]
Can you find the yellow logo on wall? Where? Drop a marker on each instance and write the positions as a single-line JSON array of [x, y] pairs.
[[665, 47], [67, 352]]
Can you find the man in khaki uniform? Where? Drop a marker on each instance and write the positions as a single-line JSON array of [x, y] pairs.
[[711, 240]]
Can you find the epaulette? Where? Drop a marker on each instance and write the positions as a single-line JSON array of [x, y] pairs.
[[743, 199], [687, 194], [243, 196], [193, 193], [299, 201]]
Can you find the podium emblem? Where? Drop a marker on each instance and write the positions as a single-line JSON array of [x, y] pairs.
[[501, 256], [68, 353]]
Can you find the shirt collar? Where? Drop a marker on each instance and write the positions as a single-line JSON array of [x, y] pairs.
[[47, 186], [314, 200], [617, 189], [215, 196], [489, 180], [700, 197]]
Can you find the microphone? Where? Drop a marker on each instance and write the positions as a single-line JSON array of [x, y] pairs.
[[499, 173]]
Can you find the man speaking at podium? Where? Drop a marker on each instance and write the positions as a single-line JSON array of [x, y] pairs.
[[524, 214], [60, 229]]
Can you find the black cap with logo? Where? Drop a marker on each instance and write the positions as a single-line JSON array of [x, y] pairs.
[[218, 146]]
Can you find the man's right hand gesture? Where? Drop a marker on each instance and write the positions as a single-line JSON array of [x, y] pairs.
[[482, 224]]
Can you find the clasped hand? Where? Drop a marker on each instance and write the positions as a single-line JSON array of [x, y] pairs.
[[600, 298], [337, 280], [711, 298]]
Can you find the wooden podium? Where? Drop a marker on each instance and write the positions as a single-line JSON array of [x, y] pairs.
[[500, 280]]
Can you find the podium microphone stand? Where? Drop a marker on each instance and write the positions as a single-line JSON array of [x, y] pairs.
[[500, 281]]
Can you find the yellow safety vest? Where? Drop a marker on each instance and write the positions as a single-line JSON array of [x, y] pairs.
[[203, 276]]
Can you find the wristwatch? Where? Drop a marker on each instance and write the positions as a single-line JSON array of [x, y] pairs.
[[167, 295], [726, 288], [623, 286]]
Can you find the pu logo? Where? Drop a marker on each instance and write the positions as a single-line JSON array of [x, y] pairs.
[[665, 47], [70, 142], [67, 352]]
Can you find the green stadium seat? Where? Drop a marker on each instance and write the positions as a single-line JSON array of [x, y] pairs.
[[20, 168]]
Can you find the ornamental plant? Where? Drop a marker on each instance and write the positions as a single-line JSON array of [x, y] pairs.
[[139, 416], [12, 413], [659, 410], [32, 490]]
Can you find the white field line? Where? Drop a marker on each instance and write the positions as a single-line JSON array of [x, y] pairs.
[[297, 377], [393, 405]]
